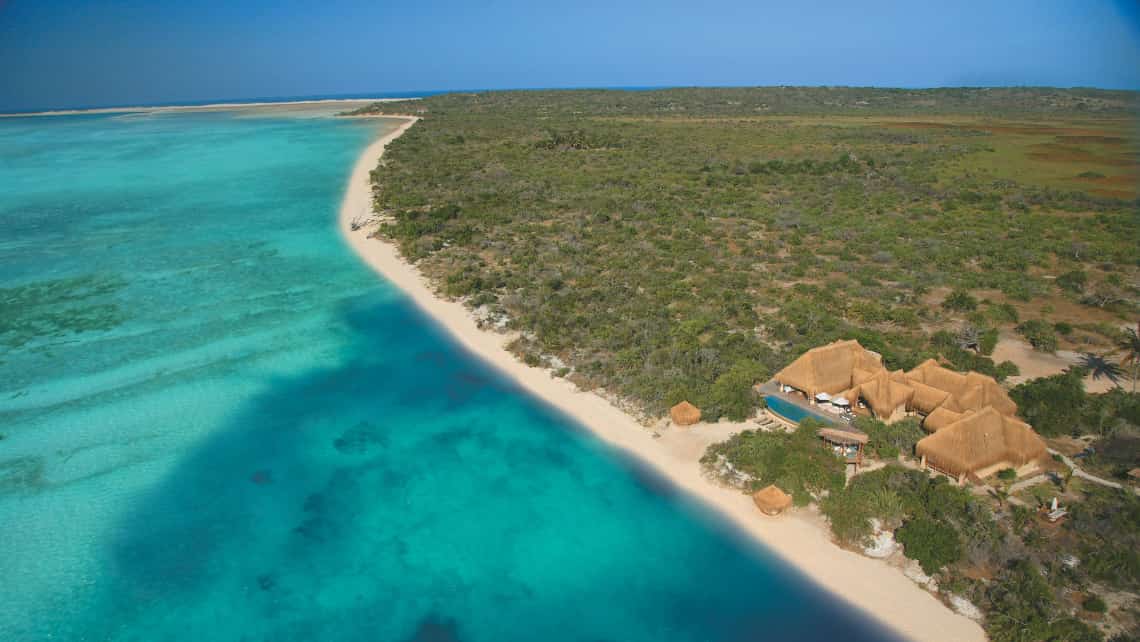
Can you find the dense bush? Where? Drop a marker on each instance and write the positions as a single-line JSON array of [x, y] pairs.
[[1040, 334], [656, 241], [888, 441], [1073, 281], [1052, 405], [961, 301], [1021, 607], [1109, 521], [798, 462], [894, 495], [988, 341], [932, 543], [1094, 604]]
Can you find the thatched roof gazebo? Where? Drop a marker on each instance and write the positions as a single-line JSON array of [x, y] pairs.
[[771, 500], [685, 414], [849, 443]]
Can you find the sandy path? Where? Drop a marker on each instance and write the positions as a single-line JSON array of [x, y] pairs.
[[873, 586], [1034, 364]]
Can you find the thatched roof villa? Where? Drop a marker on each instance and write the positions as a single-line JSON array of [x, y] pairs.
[[980, 444], [984, 433]]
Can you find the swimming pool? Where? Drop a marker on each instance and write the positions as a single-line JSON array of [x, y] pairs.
[[793, 412]]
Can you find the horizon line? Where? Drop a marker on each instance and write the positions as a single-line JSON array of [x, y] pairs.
[[406, 95]]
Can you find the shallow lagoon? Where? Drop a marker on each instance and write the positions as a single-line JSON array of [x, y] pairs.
[[219, 425]]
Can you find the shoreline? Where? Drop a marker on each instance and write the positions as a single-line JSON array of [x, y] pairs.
[[879, 590], [207, 107]]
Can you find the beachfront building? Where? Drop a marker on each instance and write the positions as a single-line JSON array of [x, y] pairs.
[[980, 444], [982, 432]]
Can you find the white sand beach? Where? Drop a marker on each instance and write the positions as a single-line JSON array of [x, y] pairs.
[[323, 102], [877, 588]]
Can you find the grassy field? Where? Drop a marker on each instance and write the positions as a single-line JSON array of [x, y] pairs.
[[685, 243]]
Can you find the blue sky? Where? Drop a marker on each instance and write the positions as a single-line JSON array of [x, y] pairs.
[[57, 53]]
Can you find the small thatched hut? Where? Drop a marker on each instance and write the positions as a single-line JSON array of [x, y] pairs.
[[771, 500], [685, 414]]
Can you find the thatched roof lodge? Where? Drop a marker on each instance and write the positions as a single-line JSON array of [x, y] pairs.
[[771, 500], [981, 443], [685, 414], [847, 369], [984, 433]]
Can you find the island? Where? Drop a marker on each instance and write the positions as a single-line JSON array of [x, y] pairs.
[[891, 334]]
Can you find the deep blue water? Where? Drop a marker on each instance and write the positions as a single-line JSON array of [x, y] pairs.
[[220, 426]]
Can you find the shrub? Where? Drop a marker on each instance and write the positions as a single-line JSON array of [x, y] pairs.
[[1074, 281], [1006, 369], [988, 341], [1039, 334], [1063, 328], [849, 516], [732, 395], [1003, 313], [1007, 474], [1094, 604], [932, 543], [961, 301]]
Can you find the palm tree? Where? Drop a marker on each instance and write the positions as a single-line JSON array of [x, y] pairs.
[[1129, 345], [1100, 366]]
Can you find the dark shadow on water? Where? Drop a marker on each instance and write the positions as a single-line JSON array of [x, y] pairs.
[[286, 493], [436, 629]]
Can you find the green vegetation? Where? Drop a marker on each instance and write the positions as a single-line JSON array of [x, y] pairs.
[[998, 554], [929, 542], [1094, 604], [894, 495], [1073, 281], [1059, 405], [1040, 334], [888, 441], [1021, 607], [1109, 524], [797, 462], [960, 300], [679, 243]]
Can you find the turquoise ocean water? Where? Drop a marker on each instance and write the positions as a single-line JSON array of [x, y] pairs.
[[219, 425]]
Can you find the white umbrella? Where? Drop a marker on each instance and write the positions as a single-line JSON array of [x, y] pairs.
[[822, 396], [841, 401]]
